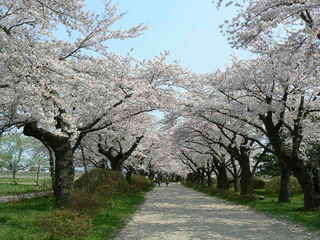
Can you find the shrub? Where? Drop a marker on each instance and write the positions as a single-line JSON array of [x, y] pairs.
[[65, 223], [273, 186], [107, 189], [96, 188], [140, 183], [97, 177], [84, 202], [188, 184], [88, 182], [258, 183], [248, 197], [214, 190], [295, 185]]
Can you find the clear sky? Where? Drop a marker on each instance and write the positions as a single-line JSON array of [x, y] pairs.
[[189, 29]]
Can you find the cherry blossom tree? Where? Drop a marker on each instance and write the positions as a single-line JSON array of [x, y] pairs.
[[200, 155], [278, 97], [59, 91], [266, 21]]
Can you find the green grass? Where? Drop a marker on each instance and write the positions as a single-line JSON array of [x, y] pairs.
[[21, 220], [94, 215], [109, 222], [291, 211], [30, 180], [13, 189], [18, 221]]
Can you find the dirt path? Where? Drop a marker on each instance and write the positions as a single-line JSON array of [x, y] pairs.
[[179, 213], [20, 183], [22, 196]]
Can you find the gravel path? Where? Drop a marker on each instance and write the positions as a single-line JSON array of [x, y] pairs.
[[179, 213], [21, 196]]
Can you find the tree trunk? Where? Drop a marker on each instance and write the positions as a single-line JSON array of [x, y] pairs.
[[246, 186], [308, 178], [236, 183], [116, 165], [84, 161], [85, 166], [222, 179], [202, 178], [64, 175], [209, 179], [284, 193], [61, 156]]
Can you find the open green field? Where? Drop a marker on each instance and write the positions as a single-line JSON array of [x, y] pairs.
[[291, 211], [25, 180], [24, 183], [13, 189]]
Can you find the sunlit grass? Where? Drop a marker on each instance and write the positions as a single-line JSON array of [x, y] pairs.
[[18, 220], [13, 189], [112, 219]]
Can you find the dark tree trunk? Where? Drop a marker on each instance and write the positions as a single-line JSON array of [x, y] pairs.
[[129, 177], [84, 160], [202, 177], [85, 167], [308, 178], [234, 172], [222, 179], [209, 179], [246, 186], [116, 164], [61, 155], [284, 193], [64, 175], [236, 183], [117, 159]]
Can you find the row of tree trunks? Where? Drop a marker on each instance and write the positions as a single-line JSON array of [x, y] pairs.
[[307, 176]]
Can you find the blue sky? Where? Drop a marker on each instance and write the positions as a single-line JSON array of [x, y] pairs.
[[189, 29]]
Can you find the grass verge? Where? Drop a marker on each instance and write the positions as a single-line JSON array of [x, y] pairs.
[[288, 211], [111, 220], [38, 219], [106, 224]]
